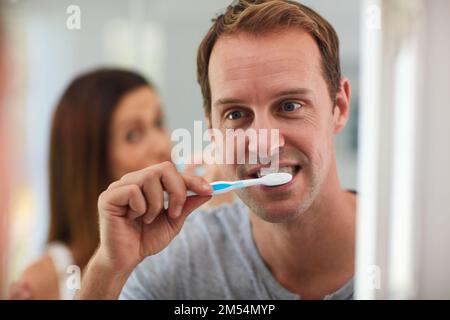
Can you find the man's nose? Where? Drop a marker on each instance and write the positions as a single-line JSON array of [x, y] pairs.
[[267, 138]]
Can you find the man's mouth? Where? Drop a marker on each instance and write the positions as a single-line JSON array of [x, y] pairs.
[[262, 171]]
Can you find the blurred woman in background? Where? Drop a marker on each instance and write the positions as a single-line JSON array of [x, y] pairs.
[[107, 123]]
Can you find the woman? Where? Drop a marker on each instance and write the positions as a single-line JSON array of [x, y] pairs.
[[107, 123]]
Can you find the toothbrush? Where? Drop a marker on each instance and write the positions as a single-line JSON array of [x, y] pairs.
[[219, 187]]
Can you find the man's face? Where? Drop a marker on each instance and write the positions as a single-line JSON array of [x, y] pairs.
[[275, 82]]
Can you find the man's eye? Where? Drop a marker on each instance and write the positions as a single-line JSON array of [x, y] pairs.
[[290, 106], [234, 115]]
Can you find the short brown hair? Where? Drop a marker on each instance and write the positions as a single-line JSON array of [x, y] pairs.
[[263, 16], [78, 164]]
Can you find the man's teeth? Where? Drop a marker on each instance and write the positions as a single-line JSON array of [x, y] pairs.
[[291, 170]]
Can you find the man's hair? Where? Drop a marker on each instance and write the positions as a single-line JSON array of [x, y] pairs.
[[264, 16]]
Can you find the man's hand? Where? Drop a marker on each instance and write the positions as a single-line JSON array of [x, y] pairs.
[[134, 223]]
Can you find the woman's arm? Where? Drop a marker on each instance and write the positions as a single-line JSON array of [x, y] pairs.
[[39, 281]]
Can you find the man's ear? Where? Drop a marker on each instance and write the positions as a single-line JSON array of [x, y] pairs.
[[341, 109]]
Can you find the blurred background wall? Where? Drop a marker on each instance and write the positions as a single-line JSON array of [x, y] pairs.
[[158, 38], [403, 243], [4, 162]]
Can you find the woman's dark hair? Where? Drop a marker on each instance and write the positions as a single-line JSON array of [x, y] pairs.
[[78, 164]]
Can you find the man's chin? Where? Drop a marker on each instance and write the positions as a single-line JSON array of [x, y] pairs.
[[277, 207], [280, 211], [277, 217]]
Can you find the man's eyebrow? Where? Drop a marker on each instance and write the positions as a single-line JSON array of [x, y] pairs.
[[294, 91], [288, 92], [226, 101]]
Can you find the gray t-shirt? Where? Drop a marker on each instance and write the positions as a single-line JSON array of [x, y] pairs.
[[213, 257]]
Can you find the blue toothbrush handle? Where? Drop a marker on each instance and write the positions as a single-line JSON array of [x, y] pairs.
[[218, 187]]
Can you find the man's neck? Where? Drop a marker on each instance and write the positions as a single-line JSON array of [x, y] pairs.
[[314, 255]]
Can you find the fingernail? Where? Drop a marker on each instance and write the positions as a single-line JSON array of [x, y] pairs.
[[177, 211], [206, 187]]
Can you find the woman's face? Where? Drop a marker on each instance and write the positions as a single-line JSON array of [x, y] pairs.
[[138, 137]]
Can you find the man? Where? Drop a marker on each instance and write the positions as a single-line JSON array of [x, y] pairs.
[[262, 65]]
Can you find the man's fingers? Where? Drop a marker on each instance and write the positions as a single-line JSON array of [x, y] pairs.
[[153, 192], [193, 203], [118, 200], [152, 182], [198, 185], [190, 168], [177, 186], [132, 215], [190, 205], [176, 189], [139, 177]]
